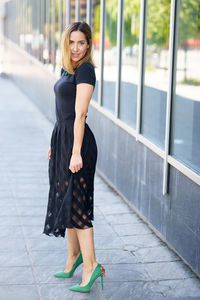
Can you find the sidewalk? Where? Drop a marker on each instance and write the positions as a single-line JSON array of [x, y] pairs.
[[138, 265]]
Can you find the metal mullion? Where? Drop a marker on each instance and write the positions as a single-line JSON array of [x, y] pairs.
[[77, 11], [142, 50], [43, 32], [28, 28], [42, 27], [35, 30], [68, 6], [102, 33], [119, 56], [53, 19], [32, 28], [38, 27], [26, 24], [60, 26], [88, 13], [170, 93], [47, 26], [17, 18], [60, 21], [19, 22], [22, 23]]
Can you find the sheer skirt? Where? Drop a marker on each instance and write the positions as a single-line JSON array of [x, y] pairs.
[[70, 201]]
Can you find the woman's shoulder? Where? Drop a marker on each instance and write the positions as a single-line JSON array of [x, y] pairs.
[[85, 73], [85, 66]]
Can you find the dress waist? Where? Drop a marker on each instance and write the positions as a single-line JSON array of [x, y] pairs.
[[64, 120]]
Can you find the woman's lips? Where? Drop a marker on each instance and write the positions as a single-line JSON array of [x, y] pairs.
[[75, 55]]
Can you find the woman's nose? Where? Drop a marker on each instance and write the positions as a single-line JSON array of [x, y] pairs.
[[75, 47]]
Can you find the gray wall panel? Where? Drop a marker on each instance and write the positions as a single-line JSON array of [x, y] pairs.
[[137, 173]]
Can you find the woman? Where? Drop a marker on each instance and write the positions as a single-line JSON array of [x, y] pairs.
[[72, 158]]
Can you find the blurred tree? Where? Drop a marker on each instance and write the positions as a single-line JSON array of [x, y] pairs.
[[131, 22], [96, 27], [189, 20], [111, 21], [189, 27], [158, 18]]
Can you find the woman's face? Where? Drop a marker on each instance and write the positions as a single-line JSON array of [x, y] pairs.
[[78, 46]]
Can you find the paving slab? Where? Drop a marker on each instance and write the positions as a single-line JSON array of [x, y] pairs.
[[62, 292], [139, 266], [19, 292], [182, 298]]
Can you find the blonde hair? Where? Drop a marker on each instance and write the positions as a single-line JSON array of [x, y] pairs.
[[65, 48]]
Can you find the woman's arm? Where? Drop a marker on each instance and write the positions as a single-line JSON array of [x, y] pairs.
[[83, 95]]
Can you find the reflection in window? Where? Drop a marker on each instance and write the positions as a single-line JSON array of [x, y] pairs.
[[83, 10], [95, 25], [29, 36], [186, 106], [129, 75], [156, 71], [46, 32], [110, 55], [58, 28]]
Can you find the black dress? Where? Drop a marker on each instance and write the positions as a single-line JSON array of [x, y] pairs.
[[70, 202]]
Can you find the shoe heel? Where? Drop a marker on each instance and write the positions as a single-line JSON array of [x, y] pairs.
[[102, 281]]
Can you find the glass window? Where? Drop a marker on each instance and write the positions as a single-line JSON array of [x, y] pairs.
[[35, 28], [129, 70], [95, 25], [29, 35], [186, 105], [83, 10], [110, 55], [58, 26], [41, 31], [156, 71], [73, 11], [46, 31]]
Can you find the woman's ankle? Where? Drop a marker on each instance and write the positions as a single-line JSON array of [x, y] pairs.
[[90, 267], [74, 254]]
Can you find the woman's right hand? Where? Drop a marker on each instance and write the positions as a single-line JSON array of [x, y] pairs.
[[49, 154]]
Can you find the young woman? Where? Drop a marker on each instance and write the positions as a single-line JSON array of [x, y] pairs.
[[72, 158]]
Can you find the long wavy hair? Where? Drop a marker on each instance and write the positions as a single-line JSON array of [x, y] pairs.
[[65, 46]]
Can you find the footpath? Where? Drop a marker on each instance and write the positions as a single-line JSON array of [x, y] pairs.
[[139, 266]]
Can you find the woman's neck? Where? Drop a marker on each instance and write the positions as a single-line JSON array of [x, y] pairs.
[[74, 64]]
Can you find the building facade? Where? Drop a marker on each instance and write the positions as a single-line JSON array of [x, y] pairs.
[[145, 112]]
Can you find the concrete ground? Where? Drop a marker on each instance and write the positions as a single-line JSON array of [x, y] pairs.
[[138, 265]]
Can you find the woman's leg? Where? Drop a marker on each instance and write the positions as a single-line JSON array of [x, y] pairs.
[[86, 241], [73, 248]]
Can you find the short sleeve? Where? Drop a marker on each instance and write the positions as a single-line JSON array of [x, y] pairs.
[[85, 74]]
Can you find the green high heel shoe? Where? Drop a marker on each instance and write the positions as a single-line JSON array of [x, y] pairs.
[[98, 271], [70, 273]]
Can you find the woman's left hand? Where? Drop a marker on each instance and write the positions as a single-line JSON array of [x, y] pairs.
[[76, 163]]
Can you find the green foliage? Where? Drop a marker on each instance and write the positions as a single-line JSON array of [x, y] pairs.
[[158, 21], [131, 22], [96, 35], [191, 81], [189, 20], [111, 21]]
